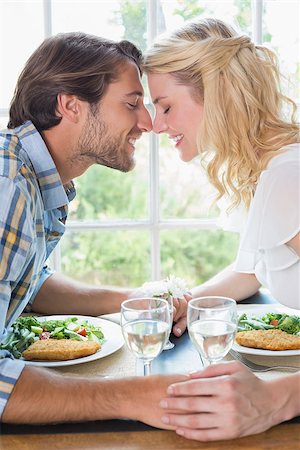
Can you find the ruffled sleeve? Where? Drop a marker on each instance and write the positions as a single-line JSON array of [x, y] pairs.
[[273, 219]]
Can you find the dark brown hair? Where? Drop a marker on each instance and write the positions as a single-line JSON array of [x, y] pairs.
[[73, 63]]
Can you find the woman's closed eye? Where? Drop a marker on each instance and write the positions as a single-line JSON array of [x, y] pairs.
[[167, 110]]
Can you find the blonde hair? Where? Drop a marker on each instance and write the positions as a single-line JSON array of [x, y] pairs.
[[243, 125]]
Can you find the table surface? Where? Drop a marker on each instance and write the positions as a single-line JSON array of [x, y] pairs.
[[129, 435], [282, 437]]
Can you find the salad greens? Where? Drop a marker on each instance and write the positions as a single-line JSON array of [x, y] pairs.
[[26, 330], [280, 321]]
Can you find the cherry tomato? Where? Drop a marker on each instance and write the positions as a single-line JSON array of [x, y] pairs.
[[82, 332]]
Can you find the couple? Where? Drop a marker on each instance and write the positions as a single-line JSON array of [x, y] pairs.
[[78, 102]]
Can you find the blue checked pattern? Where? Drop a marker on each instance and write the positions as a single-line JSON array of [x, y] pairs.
[[33, 212]]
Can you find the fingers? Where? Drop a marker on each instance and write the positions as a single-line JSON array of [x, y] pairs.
[[193, 421], [212, 434], [180, 306], [176, 307], [217, 370], [195, 404], [224, 386], [179, 326], [204, 426], [203, 387], [179, 318]]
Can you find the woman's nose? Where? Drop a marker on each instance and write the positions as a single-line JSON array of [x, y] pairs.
[[159, 125]]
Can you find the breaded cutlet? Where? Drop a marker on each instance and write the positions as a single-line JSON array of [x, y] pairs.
[[268, 340], [60, 349]]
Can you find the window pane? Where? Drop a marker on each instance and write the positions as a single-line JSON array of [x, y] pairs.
[[184, 189], [132, 17], [105, 194], [3, 122], [18, 39], [105, 257], [197, 255], [232, 11], [90, 16], [284, 39], [123, 19]]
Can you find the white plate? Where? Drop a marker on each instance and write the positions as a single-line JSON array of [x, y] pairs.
[[259, 311], [113, 341]]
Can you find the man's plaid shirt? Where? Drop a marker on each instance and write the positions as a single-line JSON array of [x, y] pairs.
[[33, 211]]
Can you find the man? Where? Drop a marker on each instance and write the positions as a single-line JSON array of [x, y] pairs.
[[78, 102]]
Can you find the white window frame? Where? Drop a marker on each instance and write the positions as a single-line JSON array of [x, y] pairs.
[[154, 224]]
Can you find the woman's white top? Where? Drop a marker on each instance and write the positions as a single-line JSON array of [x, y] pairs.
[[273, 219]]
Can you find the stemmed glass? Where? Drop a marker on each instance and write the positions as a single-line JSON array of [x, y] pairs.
[[212, 325], [169, 345], [145, 326], [168, 289]]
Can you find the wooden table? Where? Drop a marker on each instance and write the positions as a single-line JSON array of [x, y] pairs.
[[129, 435], [282, 437]]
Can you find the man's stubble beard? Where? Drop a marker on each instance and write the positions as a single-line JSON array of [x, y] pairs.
[[97, 144]]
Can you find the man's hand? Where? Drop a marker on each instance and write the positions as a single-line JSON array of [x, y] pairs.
[[43, 396], [143, 396], [227, 401]]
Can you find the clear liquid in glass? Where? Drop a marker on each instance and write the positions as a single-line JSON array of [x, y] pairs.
[[146, 337], [212, 338]]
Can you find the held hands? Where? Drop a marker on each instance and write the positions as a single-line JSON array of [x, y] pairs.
[[224, 401], [145, 394], [170, 288], [180, 314]]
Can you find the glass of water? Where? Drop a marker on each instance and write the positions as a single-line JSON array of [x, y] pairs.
[[212, 325], [145, 326]]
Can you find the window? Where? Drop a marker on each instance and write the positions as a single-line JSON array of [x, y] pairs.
[[124, 229]]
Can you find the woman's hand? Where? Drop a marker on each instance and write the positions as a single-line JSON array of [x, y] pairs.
[[180, 314], [179, 311], [227, 401]]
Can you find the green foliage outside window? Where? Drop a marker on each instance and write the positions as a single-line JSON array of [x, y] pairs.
[[197, 255], [104, 257], [122, 258], [105, 194], [133, 16], [188, 10]]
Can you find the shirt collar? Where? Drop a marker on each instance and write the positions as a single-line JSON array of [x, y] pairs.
[[54, 193]]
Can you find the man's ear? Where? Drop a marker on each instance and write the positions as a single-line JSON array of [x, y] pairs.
[[69, 106]]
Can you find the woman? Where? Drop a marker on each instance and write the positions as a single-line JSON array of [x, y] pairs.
[[217, 95]]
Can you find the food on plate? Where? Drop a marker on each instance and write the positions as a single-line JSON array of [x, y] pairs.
[[29, 329], [274, 339], [270, 321], [60, 349]]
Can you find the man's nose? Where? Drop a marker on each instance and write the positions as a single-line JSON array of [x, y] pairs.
[[145, 122]]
